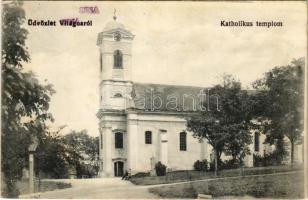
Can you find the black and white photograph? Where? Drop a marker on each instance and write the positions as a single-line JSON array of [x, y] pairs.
[[154, 99]]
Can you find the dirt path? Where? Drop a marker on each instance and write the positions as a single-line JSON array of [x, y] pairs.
[[101, 188], [115, 188]]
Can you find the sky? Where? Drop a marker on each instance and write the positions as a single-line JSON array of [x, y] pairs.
[[178, 43]]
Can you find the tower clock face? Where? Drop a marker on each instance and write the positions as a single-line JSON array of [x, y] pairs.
[[117, 36]]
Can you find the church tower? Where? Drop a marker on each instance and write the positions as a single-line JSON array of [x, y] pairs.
[[115, 89], [115, 46]]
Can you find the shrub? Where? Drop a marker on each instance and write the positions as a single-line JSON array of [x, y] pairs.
[[219, 165], [160, 169], [230, 164], [201, 165], [272, 159], [141, 175], [212, 166]]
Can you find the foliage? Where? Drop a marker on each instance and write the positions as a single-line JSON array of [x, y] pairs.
[[86, 147], [25, 102], [201, 165], [282, 186], [226, 127], [272, 159], [279, 104], [191, 175], [212, 165], [225, 164], [230, 164], [14, 51], [58, 155], [83, 143], [54, 157], [141, 175], [51, 160], [160, 169]]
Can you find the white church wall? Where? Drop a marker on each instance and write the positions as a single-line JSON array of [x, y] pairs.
[[133, 149], [136, 154], [173, 125], [183, 159], [107, 60], [298, 152], [108, 47], [110, 89], [147, 151], [109, 125]]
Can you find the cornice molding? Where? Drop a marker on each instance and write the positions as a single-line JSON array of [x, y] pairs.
[[118, 130], [114, 81], [102, 112], [119, 159], [110, 34]]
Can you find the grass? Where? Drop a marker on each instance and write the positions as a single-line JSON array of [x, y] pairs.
[[45, 185], [181, 176], [275, 186]]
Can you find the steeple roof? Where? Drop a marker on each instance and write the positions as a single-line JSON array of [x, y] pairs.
[[113, 25]]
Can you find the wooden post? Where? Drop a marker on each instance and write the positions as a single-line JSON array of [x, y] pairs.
[[152, 172], [31, 173], [31, 150]]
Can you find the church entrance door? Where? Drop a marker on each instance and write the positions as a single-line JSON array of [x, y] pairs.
[[118, 168]]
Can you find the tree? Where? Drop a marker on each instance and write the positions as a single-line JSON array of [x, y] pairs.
[[226, 127], [280, 105], [57, 154], [87, 148], [237, 144], [53, 156], [83, 143], [25, 102]]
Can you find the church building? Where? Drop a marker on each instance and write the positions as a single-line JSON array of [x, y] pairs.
[[141, 124]]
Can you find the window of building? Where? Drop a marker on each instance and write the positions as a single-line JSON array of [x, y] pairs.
[[118, 95], [257, 141], [183, 142], [118, 59], [148, 137], [101, 141], [118, 140], [101, 61]]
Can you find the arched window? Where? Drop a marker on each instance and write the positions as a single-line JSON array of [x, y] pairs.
[[183, 142], [118, 140], [101, 140], [257, 141], [101, 62], [148, 137], [117, 59]]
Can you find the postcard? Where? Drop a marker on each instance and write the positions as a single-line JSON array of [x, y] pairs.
[[154, 99]]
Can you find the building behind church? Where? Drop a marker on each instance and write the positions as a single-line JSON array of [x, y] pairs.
[[141, 124]]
